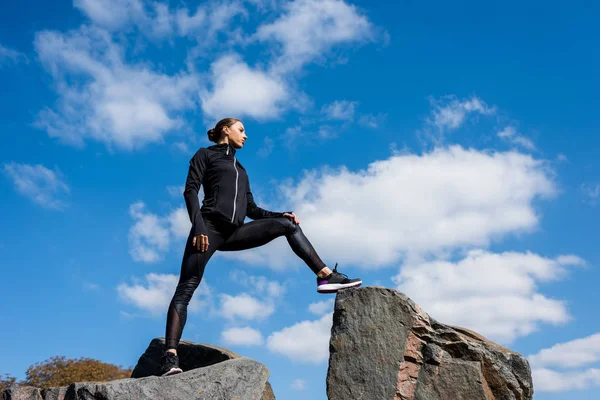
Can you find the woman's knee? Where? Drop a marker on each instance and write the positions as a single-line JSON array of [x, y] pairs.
[[290, 226], [185, 290]]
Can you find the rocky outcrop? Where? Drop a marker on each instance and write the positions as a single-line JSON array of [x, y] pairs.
[[210, 373], [384, 347]]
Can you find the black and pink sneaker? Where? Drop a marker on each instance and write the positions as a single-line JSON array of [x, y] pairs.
[[335, 282]]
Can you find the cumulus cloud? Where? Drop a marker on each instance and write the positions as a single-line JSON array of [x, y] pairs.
[[547, 380], [151, 234], [576, 353], [318, 25], [154, 293], [494, 294], [340, 110], [510, 134], [156, 20], [412, 205], [240, 90], [38, 183], [372, 121], [592, 193], [11, 56], [176, 191], [298, 384], [245, 306], [321, 307], [450, 113], [259, 285], [102, 98], [245, 336], [267, 147], [306, 341]]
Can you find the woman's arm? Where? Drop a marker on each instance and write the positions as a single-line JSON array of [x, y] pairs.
[[190, 194]]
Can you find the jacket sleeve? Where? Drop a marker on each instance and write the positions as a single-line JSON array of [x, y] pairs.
[[190, 194], [255, 212]]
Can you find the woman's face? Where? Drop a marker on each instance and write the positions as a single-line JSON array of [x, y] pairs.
[[236, 134]]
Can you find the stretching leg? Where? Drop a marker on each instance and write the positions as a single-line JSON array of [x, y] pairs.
[[262, 231], [192, 270]]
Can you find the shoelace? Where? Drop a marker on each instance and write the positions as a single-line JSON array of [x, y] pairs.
[[340, 274]]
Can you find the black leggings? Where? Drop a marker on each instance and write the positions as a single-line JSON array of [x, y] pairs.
[[249, 235]]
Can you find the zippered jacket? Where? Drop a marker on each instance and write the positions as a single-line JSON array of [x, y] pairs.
[[227, 194]]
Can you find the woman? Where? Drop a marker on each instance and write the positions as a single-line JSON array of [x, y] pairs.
[[219, 225]]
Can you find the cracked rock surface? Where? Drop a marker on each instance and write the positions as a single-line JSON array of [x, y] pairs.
[[383, 346], [210, 373]]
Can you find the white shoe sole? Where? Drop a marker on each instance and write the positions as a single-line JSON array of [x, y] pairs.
[[173, 371], [334, 287]]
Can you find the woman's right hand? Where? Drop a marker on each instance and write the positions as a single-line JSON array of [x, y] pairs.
[[200, 242]]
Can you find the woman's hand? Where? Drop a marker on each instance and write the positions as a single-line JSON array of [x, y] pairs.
[[292, 216], [200, 242]]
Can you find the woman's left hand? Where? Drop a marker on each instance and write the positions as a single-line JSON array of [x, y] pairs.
[[292, 216]]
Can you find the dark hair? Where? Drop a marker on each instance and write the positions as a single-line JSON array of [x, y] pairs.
[[214, 134]]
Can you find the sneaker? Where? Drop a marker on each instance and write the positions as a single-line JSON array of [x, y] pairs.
[[169, 364], [335, 282]]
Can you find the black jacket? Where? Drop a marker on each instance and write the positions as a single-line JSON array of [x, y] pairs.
[[227, 195]]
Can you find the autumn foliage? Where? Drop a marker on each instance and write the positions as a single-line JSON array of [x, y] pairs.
[[7, 381], [61, 371]]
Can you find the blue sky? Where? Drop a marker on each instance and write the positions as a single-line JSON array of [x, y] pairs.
[[447, 149]]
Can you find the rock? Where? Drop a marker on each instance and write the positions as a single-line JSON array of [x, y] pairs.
[[191, 355], [241, 378], [210, 373], [21, 393], [384, 347]]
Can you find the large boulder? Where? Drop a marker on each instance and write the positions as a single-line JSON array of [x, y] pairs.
[[210, 373], [384, 347]]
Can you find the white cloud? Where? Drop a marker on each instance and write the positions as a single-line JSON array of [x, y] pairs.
[[154, 295], [306, 341], [91, 286], [258, 284], [510, 133], [567, 359], [449, 112], [576, 353], [340, 109], [38, 183], [176, 191], [151, 234], [592, 193], [12, 56], [546, 380], [298, 384], [102, 98], [241, 337], [318, 25], [412, 205], [321, 307], [494, 294], [267, 147], [372, 121], [240, 91], [245, 306], [154, 19], [180, 224]]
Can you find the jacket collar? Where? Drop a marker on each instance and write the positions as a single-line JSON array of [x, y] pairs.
[[224, 148]]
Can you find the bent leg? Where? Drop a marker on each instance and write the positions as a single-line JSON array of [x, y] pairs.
[[192, 270], [262, 231]]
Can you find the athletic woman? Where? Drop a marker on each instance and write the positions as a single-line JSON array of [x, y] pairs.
[[219, 225]]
